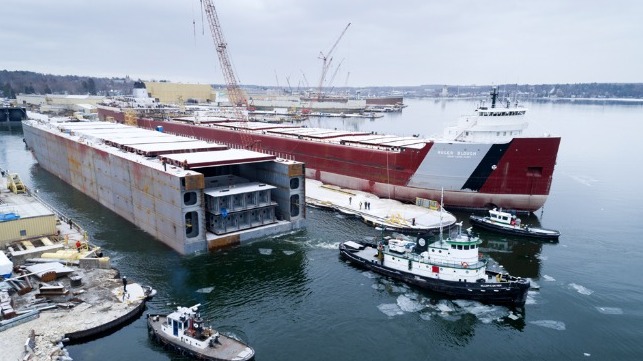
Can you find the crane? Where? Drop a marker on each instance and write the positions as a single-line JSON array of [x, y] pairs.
[[326, 60], [236, 96]]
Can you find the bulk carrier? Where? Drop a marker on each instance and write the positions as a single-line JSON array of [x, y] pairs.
[[482, 163]]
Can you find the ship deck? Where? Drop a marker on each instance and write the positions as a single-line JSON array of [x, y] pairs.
[[387, 213]]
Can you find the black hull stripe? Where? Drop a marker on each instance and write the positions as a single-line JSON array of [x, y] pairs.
[[480, 175]]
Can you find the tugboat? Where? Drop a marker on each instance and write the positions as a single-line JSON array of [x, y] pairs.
[[184, 331], [452, 267], [507, 223]]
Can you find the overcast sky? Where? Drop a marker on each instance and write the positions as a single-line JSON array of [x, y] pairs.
[[390, 43]]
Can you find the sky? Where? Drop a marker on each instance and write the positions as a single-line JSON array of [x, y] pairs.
[[279, 42]]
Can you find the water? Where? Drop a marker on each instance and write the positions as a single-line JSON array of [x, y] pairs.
[[292, 298]]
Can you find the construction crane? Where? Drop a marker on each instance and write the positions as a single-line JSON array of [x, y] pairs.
[[326, 60], [235, 94], [237, 97]]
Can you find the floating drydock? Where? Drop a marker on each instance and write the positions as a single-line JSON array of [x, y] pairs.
[[191, 195]]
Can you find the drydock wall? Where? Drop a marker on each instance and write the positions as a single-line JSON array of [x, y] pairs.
[[148, 197]]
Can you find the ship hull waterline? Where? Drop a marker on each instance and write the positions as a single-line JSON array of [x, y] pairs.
[[515, 175], [511, 294]]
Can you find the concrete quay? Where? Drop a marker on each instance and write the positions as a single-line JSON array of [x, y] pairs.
[[93, 308]]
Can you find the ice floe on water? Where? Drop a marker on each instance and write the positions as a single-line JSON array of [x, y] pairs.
[[408, 304], [556, 325], [549, 278], [265, 251], [390, 309], [610, 310], [288, 253], [447, 310], [581, 289], [205, 290]]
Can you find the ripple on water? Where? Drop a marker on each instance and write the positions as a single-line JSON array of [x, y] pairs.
[[265, 251]]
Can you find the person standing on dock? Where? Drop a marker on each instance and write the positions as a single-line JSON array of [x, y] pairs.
[[350, 199], [70, 223], [124, 284], [360, 206]]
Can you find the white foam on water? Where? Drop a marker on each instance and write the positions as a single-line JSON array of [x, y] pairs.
[[390, 309], [556, 325], [549, 278], [205, 290], [533, 285], [426, 316], [610, 310], [531, 297], [444, 306], [408, 304], [581, 289], [377, 286], [513, 316], [265, 251], [449, 317], [289, 253], [369, 274], [325, 245], [587, 354], [399, 289]]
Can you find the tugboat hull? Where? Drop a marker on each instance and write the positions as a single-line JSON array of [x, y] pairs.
[[509, 293], [226, 349], [484, 223]]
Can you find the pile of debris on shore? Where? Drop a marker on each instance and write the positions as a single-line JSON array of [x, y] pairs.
[[57, 304]]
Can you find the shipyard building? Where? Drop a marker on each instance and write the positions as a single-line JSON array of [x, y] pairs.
[[190, 194]]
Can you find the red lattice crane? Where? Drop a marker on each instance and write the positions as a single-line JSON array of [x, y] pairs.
[[235, 94]]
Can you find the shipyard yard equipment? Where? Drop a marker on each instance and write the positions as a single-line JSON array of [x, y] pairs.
[[237, 97], [326, 61]]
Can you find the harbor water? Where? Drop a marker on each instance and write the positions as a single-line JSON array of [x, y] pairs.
[[292, 298]]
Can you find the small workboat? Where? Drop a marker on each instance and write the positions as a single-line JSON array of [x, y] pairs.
[[507, 223], [185, 331], [452, 267]]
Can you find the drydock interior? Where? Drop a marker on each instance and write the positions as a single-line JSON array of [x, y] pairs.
[[191, 195]]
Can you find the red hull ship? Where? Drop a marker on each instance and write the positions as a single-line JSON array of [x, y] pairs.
[[512, 173]]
